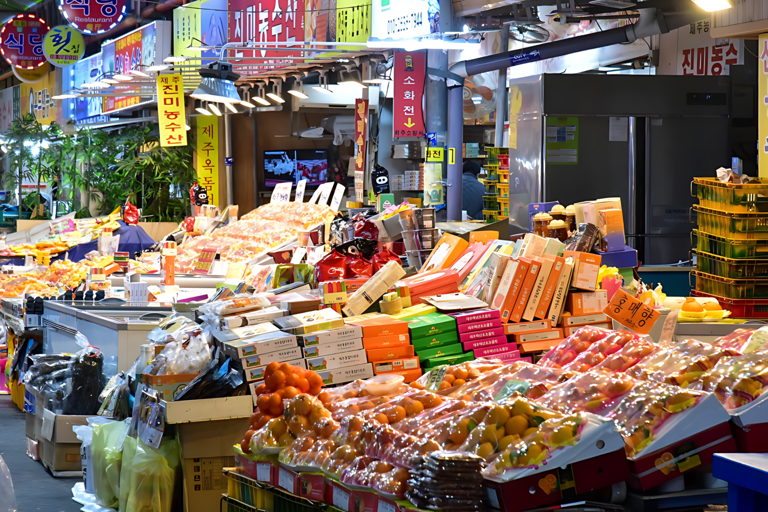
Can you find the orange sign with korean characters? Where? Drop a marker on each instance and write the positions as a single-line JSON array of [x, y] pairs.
[[632, 313], [361, 140], [170, 110]]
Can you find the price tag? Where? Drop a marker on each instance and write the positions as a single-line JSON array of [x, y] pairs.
[[632, 313], [298, 255], [285, 480], [204, 261], [97, 274], [315, 196], [385, 506], [169, 249], [325, 192], [510, 387], [300, 191], [263, 472], [435, 377], [338, 195], [340, 498], [435, 154], [281, 193]]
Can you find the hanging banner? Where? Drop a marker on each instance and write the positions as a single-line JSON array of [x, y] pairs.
[[361, 141], [21, 41], [140, 49], [340, 21], [410, 70], [37, 99], [265, 21], [207, 164], [699, 54], [198, 23], [85, 72], [63, 46], [762, 107], [401, 19], [170, 110], [93, 16]]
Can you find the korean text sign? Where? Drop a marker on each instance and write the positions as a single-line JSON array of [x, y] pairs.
[[632, 313], [701, 55], [266, 21], [409, 75], [21, 41], [170, 108], [208, 156], [93, 16], [63, 46], [361, 140]]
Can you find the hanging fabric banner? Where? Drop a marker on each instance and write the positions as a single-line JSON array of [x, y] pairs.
[[170, 110], [208, 156]]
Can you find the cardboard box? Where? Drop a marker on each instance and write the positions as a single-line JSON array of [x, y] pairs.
[[349, 500], [485, 325], [527, 337], [311, 321], [347, 374], [466, 337], [251, 318], [396, 365], [612, 228], [334, 361], [29, 425], [380, 325], [261, 344], [446, 252], [428, 283], [410, 375], [382, 354], [530, 347], [430, 325], [439, 340], [511, 357], [485, 342], [348, 332], [209, 409], [374, 288], [497, 350], [585, 269], [442, 351], [523, 327], [414, 311], [621, 257], [475, 316], [60, 445], [525, 292], [257, 373], [581, 303], [168, 386], [567, 331], [585, 319], [241, 333], [336, 347], [450, 360], [397, 340], [305, 485], [281, 356], [206, 449]]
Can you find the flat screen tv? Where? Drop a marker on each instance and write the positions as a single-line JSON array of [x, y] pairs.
[[295, 165]]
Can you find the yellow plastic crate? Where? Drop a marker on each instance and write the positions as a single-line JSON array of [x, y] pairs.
[[738, 226], [730, 268], [503, 175], [730, 248], [491, 187], [504, 207], [732, 197], [491, 215], [731, 288], [503, 190], [248, 491]]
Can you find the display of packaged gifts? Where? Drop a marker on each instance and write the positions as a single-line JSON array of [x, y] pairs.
[[372, 290], [311, 321]]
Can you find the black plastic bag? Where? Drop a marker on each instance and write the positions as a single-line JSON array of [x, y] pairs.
[[222, 377]]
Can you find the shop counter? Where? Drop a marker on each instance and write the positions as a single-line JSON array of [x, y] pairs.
[[746, 474], [117, 330]]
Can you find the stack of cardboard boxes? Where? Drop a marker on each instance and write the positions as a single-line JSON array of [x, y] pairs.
[[338, 355], [387, 345], [435, 337], [482, 334]]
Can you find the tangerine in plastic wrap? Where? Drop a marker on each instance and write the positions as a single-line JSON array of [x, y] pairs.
[[570, 348], [681, 364], [738, 380], [596, 391]]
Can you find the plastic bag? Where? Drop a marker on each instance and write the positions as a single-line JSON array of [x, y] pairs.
[[570, 348], [107, 459], [737, 381], [85, 434], [600, 350], [383, 257], [153, 476], [218, 379], [7, 496], [596, 392], [130, 214], [680, 364], [87, 382], [129, 451]]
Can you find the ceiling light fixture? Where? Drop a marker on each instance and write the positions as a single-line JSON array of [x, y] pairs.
[[96, 85], [231, 108], [213, 108], [139, 73], [110, 81], [161, 67], [122, 78], [172, 59], [275, 97], [297, 88], [713, 5], [351, 77], [217, 84]]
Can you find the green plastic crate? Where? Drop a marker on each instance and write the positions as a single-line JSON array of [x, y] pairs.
[[738, 226], [730, 248], [730, 268], [731, 288], [732, 197]]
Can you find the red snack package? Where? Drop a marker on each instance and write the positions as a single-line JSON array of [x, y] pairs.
[[188, 224], [382, 258], [332, 266], [358, 267], [366, 229], [130, 214]]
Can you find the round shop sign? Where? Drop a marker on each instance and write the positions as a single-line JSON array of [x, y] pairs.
[[93, 16], [63, 46], [21, 41], [31, 76]]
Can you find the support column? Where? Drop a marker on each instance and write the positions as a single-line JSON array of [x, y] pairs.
[[501, 92], [455, 141], [228, 155], [436, 94]]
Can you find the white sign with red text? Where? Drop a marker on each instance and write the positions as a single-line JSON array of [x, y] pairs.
[[699, 54]]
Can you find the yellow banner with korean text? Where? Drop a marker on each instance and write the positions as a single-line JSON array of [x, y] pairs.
[[207, 165], [170, 110], [762, 107]]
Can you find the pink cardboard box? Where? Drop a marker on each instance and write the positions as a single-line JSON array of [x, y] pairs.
[[485, 325], [488, 342], [496, 351], [479, 335]]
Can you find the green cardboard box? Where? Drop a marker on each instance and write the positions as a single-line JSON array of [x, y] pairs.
[[449, 360], [438, 340], [445, 350], [431, 324]]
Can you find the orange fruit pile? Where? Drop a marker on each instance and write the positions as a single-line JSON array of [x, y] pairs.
[[282, 381]]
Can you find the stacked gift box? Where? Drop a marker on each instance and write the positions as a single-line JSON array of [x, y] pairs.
[[434, 336], [387, 345], [482, 334]]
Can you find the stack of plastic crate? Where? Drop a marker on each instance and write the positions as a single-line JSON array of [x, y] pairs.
[[504, 184], [732, 245], [493, 200]]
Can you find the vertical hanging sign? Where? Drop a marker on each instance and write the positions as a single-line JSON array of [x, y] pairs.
[[361, 140], [410, 73], [762, 107], [170, 108], [208, 155]]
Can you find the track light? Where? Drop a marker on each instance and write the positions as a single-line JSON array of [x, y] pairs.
[[203, 111], [275, 97], [230, 107], [213, 108]]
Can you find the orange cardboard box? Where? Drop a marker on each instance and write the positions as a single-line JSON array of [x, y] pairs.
[[386, 342], [447, 250], [410, 375], [585, 269], [525, 292], [381, 325], [567, 331], [382, 354], [527, 337], [396, 365], [538, 346], [586, 303]]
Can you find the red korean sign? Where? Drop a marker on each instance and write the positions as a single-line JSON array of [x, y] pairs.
[[266, 21], [361, 139], [93, 16], [128, 51], [701, 55], [410, 73], [21, 41]]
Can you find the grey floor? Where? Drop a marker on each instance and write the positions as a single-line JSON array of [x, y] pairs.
[[35, 488]]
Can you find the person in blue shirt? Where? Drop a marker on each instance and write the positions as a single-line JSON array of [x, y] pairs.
[[473, 190]]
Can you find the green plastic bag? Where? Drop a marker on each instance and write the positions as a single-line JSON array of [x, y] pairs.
[[153, 476], [107, 460], [129, 451]]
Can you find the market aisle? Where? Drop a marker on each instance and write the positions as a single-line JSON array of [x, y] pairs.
[[35, 488]]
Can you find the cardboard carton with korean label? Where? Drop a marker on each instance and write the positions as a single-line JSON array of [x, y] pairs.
[[257, 372], [334, 361], [279, 356], [591, 303], [261, 344], [396, 365], [59, 446], [348, 332], [585, 269], [346, 374], [337, 347]]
